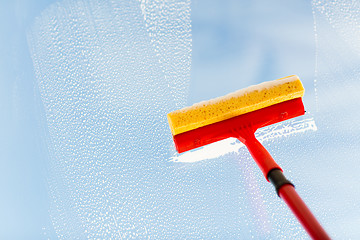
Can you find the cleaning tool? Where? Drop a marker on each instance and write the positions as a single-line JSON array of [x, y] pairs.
[[239, 115]]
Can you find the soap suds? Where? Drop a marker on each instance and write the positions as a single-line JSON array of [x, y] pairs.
[[242, 92], [107, 73]]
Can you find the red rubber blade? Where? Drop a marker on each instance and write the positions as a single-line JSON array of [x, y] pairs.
[[224, 129]]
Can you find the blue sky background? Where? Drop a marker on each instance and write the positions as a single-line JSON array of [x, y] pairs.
[[234, 44]]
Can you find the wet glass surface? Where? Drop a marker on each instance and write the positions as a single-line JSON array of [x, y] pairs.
[[86, 151]]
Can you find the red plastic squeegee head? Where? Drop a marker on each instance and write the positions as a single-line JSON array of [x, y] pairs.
[[243, 127]]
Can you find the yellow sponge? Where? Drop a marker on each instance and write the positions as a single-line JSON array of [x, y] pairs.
[[236, 103]]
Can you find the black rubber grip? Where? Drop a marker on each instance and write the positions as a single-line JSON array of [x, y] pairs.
[[277, 178]]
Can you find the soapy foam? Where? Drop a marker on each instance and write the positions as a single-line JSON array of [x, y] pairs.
[[106, 72], [241, 92]]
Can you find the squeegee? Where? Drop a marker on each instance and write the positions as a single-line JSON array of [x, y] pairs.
[[239, 115]]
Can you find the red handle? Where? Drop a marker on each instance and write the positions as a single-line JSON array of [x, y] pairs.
[[261, 156], [284, 187], [302, 212]]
